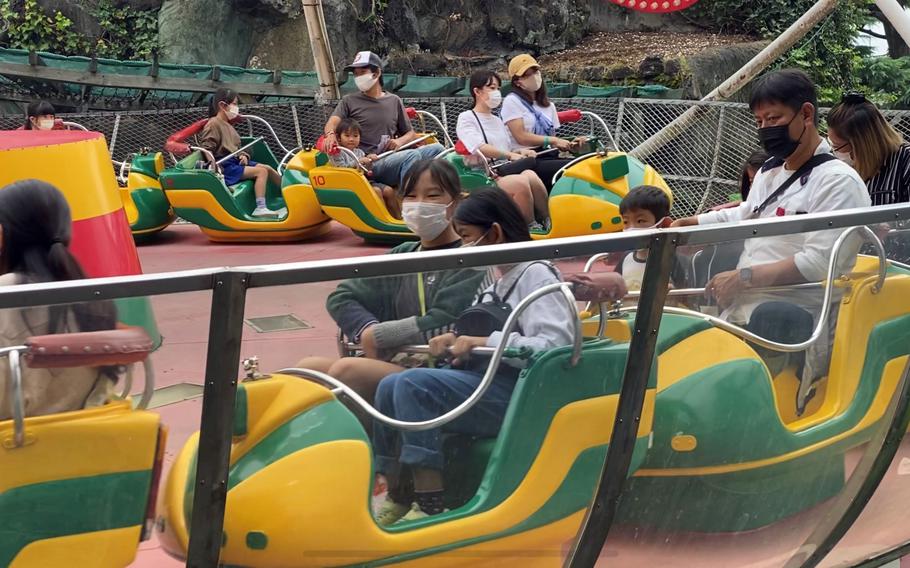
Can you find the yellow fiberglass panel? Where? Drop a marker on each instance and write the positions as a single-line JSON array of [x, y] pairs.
[[271, 403], [653, 178], [129, 206], [573, 215], [303, 161], [331, 178], [590, 171], [107, 439], [349, 219], [301, 212], [174, 537], [334, 524], [99, 549]]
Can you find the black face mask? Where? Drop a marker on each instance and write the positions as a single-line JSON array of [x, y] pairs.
[[776, 139]]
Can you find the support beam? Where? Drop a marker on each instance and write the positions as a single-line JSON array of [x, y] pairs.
[[897, 16], [85, 77], [322, 53]]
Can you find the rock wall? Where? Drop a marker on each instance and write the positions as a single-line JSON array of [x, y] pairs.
[[708, 69]]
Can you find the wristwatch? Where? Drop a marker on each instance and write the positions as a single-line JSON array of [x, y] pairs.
[[745, 275]]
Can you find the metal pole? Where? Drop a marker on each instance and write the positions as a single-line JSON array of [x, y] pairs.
[[898, 17], [746, 73], [322, 53], [114, 134], [713, 173], [221, 369], [594, 529]]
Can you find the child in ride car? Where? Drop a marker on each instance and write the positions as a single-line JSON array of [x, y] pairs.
[[487, 217], [348, 135], [644, 207], [221, 139]]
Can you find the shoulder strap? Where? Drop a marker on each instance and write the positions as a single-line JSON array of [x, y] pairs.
[[477, 118], [814, 161], [515, 282]]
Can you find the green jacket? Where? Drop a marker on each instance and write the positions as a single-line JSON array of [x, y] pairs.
[[359, 302]]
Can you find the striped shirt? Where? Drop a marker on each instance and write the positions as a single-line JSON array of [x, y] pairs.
[[892, 182]]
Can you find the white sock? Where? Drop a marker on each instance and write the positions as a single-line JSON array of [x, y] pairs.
[[260, 202]]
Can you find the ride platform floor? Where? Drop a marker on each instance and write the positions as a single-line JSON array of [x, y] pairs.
[[184, 319]]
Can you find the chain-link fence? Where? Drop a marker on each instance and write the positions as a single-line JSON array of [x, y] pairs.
[[702, 165]]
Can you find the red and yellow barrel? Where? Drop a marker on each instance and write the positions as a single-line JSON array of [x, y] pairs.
[[78, 164]]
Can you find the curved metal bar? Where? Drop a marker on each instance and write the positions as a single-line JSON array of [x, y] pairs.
[[562, 170], [264, 122], [603, 124], [238, 150], [353, 156], [127, 382], [467, 404], [149, 389], [439, 123], [213, 163], [15, 375], [404, 147], [126, 167], [287, 158], [76, 125], [821, 326], [444, 153]]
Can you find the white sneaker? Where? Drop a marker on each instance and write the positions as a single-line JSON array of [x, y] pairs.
[[283, 212], [264, 212]]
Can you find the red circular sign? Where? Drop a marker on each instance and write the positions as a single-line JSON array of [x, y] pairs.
[[655, 6]]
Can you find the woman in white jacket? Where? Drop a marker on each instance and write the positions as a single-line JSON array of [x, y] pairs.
[[485, 218]]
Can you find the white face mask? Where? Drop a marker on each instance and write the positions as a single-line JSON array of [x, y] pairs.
[[232, 111], [476, 242], [495, 99], [632, 229], [46, 124], [365, 82], [427, 220], [533, 83]]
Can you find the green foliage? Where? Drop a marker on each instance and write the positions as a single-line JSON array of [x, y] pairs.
[[886, 81], [126, 34], [827, 53]]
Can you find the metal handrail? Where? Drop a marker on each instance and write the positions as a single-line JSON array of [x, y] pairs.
[[287, 158], [76, 125], [439, 123], [238, 150], [821, 326], [595, 117], [354, 157], [403, 147], [210, 158], [495, 358], [259, 119], [13, 355]]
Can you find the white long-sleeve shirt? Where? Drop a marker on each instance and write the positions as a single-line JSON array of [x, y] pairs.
[[548, 323], [831, 186]]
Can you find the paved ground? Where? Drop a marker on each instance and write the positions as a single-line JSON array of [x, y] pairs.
[[183, 320]]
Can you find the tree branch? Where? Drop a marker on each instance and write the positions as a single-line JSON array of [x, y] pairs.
[[873, 34]]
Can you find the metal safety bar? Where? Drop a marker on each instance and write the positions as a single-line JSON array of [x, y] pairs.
[[404, 146], [14, 357], [238, 150], [354, 157], [496, 356], [821, 326], [264, 122], [425, 114], [592, 118]]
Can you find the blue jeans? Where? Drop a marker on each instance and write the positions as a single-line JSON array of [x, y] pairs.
[[392, 169], [421, 394]]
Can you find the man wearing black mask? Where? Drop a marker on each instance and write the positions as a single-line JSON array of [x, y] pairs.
[[801, 177]]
